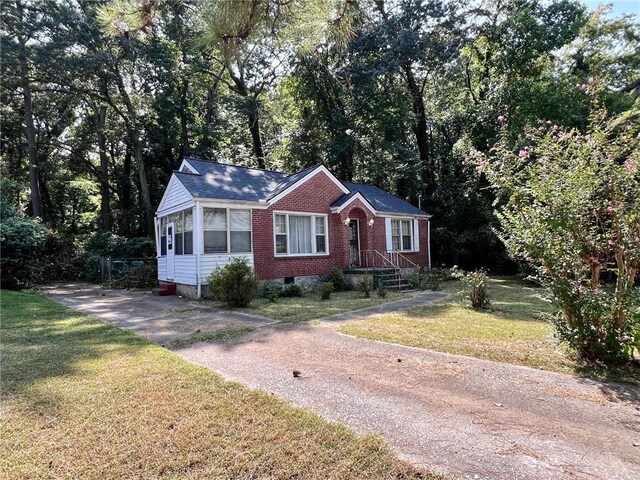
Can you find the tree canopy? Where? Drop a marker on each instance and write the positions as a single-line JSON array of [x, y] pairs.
[[102, 99]]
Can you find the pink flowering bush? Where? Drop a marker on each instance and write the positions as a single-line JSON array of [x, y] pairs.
[[569, 205]]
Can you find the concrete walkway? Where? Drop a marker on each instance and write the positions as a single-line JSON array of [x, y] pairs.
[[469, 417], [159, 319]]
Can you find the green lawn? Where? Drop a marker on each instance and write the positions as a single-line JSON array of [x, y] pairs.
[[512, 331], [310, 307], [81, 399]]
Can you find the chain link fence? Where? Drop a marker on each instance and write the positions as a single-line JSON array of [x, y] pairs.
[[129, 272]]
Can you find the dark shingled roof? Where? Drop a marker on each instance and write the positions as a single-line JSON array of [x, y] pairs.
[[229, 182], [382, 201]]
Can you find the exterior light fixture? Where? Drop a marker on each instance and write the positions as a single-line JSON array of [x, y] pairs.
[[347, 221], [371, 222]]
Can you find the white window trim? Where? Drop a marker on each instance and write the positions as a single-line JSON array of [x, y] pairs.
[[228, 219], [412, 235], [313, 234]]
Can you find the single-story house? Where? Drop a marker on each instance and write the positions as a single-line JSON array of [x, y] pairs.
[[290, 227]]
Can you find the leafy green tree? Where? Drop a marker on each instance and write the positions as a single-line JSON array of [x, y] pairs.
[[572, 211]]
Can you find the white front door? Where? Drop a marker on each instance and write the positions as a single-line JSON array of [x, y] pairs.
[[171, 230]]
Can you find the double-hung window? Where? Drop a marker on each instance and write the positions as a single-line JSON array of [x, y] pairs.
[[227, 230], [297, 234], [402, 235]]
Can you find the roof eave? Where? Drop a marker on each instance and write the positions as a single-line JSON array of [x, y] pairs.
[[403, 214]]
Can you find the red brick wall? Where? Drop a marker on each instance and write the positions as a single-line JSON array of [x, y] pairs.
[[316, 196], [380, 241]]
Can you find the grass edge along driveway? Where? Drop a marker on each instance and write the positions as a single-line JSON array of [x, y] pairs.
[[512, 331], [82, 399], [310, 307]]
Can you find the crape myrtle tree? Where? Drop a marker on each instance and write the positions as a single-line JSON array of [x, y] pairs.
[[570, 207]]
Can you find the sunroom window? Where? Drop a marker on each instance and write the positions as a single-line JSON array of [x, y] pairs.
[[183, 232], [227, 230]]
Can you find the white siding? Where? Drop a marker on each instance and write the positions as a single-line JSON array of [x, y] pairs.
[[175, 195], [185, 272], [416, 235], [209, 262], [162, 268]]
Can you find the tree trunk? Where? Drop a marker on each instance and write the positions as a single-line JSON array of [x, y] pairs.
[[134, 139], [184, 127], [254, 128], [32, 148], [420, 130], [252, 116], [125, 194], [105, 192]]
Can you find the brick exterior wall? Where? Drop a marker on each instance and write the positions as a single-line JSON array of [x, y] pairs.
[[316, 196]]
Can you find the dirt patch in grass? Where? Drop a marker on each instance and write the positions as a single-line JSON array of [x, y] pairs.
[[216, 336], [310, 307], [81, 399], [512, 332]]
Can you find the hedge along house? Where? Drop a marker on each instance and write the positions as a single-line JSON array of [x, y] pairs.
[[289, 227]]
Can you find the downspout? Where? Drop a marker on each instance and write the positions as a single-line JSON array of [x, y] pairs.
[[429, 242], [198, 224]]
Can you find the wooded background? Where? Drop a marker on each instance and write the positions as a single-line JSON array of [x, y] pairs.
[[100, 101]]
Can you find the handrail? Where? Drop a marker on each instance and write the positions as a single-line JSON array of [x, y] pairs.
[[392, 259], [398, 254], [372, 260]]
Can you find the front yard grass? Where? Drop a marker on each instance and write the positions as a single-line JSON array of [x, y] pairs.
[[511, 332], [82, 399], [310, 307]]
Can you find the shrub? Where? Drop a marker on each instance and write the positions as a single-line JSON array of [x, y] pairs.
[[382, 291], [22, 242], [570, 203], [475, 288], [337, 278], [324, 290], [62, 259], [272, 291], [429, 278], [292, 290], [235, 283], [365, 285]]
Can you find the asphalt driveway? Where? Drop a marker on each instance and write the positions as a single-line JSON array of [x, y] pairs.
[[469, 417]]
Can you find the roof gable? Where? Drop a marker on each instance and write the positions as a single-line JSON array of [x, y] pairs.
[[347, 199], [298, 179], [175, 194]]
